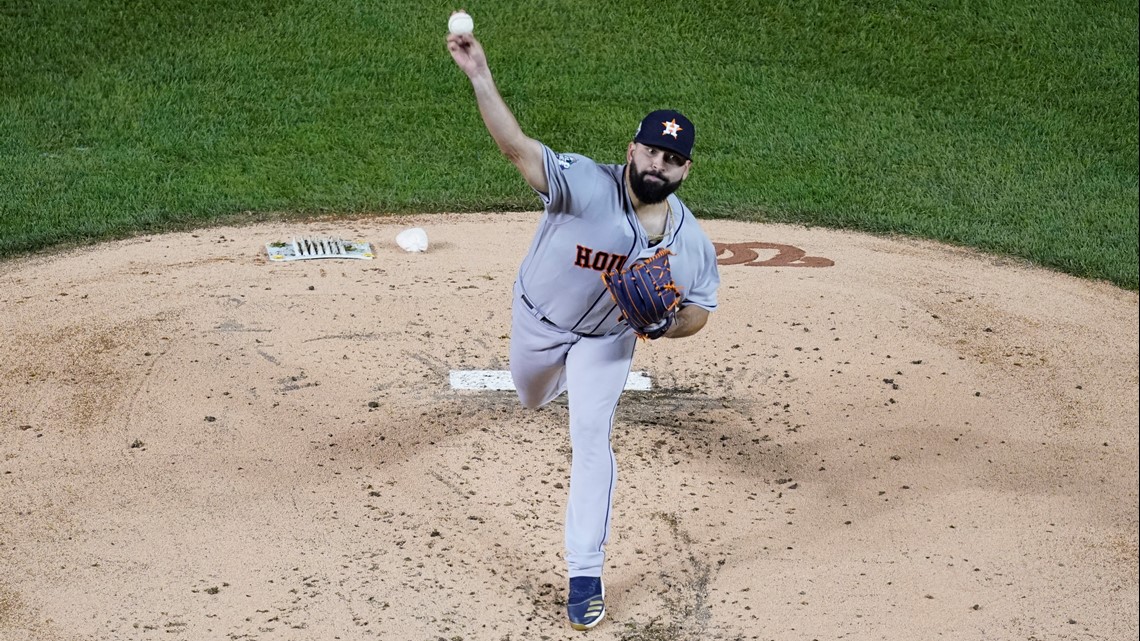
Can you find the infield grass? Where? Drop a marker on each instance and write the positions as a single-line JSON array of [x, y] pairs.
[[1010, 126]]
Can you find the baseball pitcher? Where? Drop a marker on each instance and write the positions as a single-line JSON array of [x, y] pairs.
[[617, 259]]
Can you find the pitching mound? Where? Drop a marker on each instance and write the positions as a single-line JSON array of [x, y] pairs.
[[872, 439]]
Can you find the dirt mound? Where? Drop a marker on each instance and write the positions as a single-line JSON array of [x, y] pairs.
[[872, 439]]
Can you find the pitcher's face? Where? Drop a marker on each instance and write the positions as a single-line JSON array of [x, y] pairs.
[[655, 173]]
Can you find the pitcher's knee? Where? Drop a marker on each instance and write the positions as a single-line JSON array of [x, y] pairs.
[[533, 397], [530, 401], [534, 392]]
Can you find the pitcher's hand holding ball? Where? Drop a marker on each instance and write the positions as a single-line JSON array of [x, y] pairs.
[[466, 50]]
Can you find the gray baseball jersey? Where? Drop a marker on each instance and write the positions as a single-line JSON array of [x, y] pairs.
[[589, 227]]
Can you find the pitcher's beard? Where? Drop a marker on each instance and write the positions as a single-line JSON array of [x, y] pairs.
[[648, 191]]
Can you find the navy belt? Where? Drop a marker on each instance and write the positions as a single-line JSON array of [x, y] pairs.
[[538, 314]]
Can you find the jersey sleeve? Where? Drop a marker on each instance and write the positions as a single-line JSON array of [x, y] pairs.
[[706, 279], [570, 181]]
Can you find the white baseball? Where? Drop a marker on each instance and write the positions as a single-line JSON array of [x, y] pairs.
[[460, 22]]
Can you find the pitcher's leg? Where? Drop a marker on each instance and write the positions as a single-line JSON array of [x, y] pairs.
[[597, 369], [538, 358]]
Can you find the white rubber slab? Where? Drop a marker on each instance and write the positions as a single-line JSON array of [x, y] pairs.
[[497, 379]]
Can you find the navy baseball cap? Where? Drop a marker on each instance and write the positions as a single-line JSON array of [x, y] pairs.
[[667, 129]]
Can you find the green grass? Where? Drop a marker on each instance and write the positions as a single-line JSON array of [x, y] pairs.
[[1009, 126]]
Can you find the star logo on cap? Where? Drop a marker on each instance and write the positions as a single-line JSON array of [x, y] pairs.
[[671, 128]]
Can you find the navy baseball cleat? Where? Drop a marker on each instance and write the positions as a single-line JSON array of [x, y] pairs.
[[586, 606]]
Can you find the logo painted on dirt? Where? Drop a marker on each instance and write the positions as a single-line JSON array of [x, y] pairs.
[[747, 254]]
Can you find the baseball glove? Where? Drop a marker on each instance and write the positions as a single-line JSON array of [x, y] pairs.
[[646, 295]]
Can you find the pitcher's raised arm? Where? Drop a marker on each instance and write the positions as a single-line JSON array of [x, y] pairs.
[[523, 151]]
